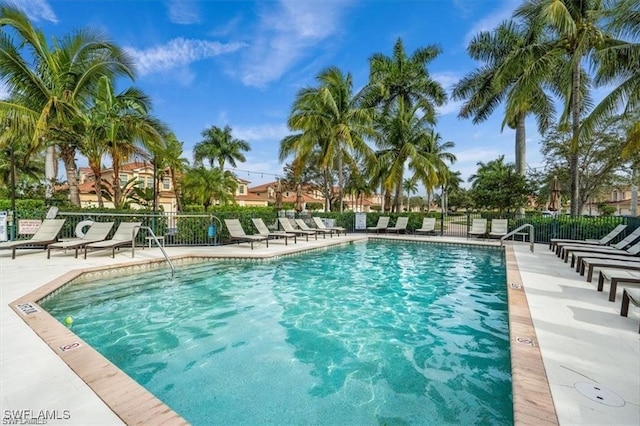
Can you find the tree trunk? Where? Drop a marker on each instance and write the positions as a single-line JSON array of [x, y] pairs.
[[398, 195], [176, 190], [340, 177], [96, 168], [50, 170], [575, 125], [116, 181], [68, 154], [521, 145]]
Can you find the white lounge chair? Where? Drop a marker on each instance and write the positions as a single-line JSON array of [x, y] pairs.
[[618, 248], [303, 226], [288, 227], [98, 231], [237, 234], [264, 231], [478, 228], [320, 224], [400, 226], [631, 252], [617, 276], [601, 242], [428, 226], [46, 234], [629, 295], [124, 236], [383, 223], [499, 228]]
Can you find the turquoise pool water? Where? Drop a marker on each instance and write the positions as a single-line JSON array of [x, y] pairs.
[[367, 333]]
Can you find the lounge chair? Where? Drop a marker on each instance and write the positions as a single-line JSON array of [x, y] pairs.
[[237, 234], [264, 231], [478, 228], [631, 252], [601, 242], [400, 226], [588, 264], [629, 295], [337, 229], [383, 223], [124, 236], [46, 234], [499, 228], [303, 226], [98, 231], [618, 248], [428, 226], [617, 276], [288, 227]]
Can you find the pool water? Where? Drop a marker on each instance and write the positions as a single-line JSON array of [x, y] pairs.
[[366, 333]]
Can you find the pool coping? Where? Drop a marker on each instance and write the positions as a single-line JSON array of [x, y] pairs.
[[532, 400]]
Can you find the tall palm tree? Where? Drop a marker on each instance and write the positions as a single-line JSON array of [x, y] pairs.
[[439, 159], [488, 86], [49, 85], [402, 136], [121, 122], [573, 31], [330, 120], [220, 146], [171, 157], [404, 77], [410, 186]]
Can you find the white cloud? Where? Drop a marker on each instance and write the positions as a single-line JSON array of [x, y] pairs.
[[477, 154], [184, 12], [286, 33], [263, 132], [36, 10], [179, 52], [451, 107], [488, 23]]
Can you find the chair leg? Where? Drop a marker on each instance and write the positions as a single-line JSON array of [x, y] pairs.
[[624, 309], [612, 291]]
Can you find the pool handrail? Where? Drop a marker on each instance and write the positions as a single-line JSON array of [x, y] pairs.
[[515, 231], [164, 253]]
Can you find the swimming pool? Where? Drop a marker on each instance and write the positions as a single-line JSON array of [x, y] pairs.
[[377, 332]]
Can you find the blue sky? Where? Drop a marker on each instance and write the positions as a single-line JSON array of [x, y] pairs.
[[240, 63]]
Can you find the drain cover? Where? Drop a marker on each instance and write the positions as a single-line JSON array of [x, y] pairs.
[[599, 394]]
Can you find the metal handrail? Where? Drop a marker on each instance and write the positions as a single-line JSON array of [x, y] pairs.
[[515, 231], [133, 246]]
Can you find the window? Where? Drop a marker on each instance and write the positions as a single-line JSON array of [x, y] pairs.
[[166, 183], [124, 178], [149, 181], [614, 195], [241, 189]]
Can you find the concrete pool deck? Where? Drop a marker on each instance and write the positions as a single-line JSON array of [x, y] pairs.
[[588, 349]]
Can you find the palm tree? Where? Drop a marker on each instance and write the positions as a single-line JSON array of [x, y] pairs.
[[404, 77], [206, 186], [488, 86], [330, 121], [122, 125], [573, 31], [49, 85], [220, 146], [619, 64], [403, 135], [439, 158], [411, 187], [171, 158]]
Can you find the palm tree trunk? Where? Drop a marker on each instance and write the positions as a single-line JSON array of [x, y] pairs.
[[176, 190], [68, 154], [340, 177], [117, 192], [521, 145], [575, 125], [96, 168], [398, 195], [50, 171]]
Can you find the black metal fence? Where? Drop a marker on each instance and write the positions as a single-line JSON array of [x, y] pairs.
[[198, 229]]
